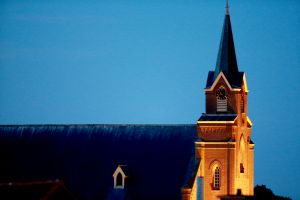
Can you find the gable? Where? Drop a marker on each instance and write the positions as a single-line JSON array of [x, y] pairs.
[[221, 80], [235, 83]]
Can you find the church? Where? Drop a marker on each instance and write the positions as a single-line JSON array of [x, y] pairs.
[[209, 160]]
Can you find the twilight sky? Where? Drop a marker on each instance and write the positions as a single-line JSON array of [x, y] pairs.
[[146, 62]]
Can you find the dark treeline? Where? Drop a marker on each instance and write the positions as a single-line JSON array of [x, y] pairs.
[[261, 192]]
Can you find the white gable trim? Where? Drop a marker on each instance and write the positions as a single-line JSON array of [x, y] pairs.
[[221, 74], [119, 170]]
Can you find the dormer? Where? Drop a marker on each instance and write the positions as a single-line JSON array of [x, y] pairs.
[[120, 175]]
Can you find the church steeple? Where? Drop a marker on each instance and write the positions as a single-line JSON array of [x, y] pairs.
[[227, 8], [226, 60], [224, 145]]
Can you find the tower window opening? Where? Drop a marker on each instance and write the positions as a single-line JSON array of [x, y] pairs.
[[216, 178], [242, 104], [242, 169]]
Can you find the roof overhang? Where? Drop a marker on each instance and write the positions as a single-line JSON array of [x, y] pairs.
[[218, 119], [215, 122]]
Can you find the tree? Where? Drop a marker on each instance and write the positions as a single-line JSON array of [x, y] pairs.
[[261, 192]]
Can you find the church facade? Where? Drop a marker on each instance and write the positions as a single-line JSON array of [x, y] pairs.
[[212, 159]]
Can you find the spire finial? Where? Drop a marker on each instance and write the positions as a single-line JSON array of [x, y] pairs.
[[227, 7]]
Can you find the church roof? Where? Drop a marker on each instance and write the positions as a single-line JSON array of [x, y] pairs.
[[85, 157], [226, 60]]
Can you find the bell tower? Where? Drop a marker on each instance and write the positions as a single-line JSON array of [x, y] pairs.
[[225, 148]]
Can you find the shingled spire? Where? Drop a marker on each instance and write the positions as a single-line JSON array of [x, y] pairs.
[[227, 8], [226, 61]]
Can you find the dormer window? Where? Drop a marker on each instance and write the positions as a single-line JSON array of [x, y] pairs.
[[119, 181], [221, 100], [120, 176]]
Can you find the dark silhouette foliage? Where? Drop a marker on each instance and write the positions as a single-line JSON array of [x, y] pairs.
[[261, 192]]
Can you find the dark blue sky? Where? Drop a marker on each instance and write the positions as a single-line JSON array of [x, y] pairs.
[[146, 61]]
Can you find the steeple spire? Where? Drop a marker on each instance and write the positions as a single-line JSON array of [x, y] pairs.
[[227, 8], [226, 61]]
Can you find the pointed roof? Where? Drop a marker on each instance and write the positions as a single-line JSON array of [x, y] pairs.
[[226, 61]]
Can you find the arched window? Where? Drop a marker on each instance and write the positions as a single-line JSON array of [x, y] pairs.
[[216, 178], [119, 181], [221, 99]]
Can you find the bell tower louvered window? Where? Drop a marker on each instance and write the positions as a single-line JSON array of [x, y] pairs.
[[221, 100]]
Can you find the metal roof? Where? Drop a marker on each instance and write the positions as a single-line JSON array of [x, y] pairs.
[[86, 156]]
